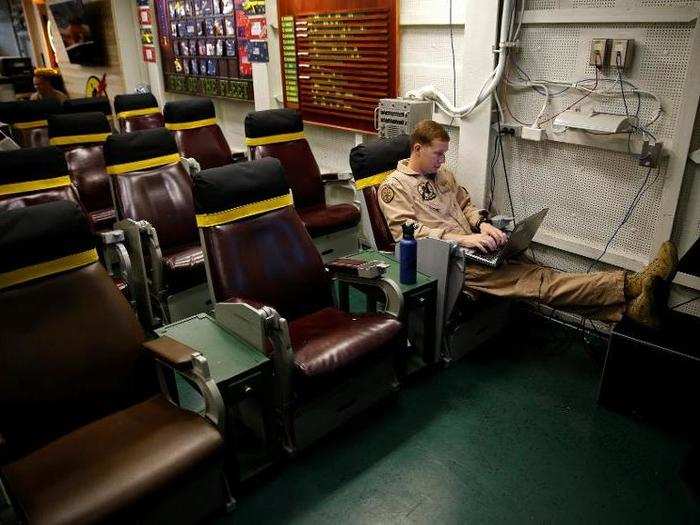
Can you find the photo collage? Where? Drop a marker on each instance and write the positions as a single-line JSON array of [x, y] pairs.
[[209, 38]]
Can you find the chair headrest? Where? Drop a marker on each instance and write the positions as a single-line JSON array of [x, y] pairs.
[[78, 128], [374, 160], [140, 150], [42, 240], [189, 114], [28, 113], [273, 125], [87, 105], [135, 105], [237, 191], [44, 168]]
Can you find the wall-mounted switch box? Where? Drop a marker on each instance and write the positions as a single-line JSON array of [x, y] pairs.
[[621, 52], [651, 154], [600, 52]]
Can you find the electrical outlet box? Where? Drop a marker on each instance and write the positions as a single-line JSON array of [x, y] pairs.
[[535, 134], [621, 52], [651, 154], [600, 52]]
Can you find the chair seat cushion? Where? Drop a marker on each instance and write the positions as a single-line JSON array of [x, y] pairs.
[[183, 268], [113, 465], [322, 219], [329, 340]]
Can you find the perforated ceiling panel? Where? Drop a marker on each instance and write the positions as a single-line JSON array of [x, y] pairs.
[[426, 59], [660, 62], [586, 198], [541, 4], [592, 3], [589, 190], [554, 4]]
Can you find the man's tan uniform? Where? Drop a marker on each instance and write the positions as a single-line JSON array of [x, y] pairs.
[[439, 207]]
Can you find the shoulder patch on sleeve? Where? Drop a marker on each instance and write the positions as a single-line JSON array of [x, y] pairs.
[[387, 194]]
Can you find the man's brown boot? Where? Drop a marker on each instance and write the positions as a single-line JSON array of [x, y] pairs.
[[643, 309], [662, 266]]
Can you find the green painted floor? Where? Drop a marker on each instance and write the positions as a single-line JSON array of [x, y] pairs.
[[508, 435]]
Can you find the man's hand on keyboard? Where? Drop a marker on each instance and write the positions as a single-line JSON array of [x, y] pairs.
[[493, 232], [479, 241]]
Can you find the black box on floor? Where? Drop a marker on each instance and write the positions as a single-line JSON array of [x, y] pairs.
[[654, 374]]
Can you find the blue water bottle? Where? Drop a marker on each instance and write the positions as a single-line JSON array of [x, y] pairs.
[[407, 255]]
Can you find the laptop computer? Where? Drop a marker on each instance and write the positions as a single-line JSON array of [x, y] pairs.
[[518, 241]]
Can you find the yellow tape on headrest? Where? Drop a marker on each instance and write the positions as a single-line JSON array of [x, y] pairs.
[[176, 126], [373, 180], [117, 169], [138, 112], [32, 124], [78, 139], [34, 185], [241, 212], [274, 139], [36, 271]]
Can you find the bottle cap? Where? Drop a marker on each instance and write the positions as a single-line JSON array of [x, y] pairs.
[[409, 229]]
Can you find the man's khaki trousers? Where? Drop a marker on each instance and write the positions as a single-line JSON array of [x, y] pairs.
[[597, 295]]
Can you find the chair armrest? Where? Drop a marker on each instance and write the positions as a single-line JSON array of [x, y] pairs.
[[370, 273], [171, 352], [336, 177], [192, 365], [263, 328]]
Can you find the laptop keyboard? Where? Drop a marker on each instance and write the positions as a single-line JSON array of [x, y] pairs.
[[486, 257]]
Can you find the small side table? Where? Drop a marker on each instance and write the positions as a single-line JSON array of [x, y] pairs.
[[244, 377], [654, 373], [419, 310]]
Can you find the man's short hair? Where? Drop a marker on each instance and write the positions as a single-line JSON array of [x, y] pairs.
[[427, 131]]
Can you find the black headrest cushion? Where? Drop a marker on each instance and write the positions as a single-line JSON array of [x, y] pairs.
[[134, 101], [70, 124], [139, 145], [26, 164], [86, 105], [188, 110], [233, 185], [272, 122], [378, 155], [28, 110], [40, 233]]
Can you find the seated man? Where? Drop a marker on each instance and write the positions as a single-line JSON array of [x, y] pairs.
[[422, 190], [46, 81]]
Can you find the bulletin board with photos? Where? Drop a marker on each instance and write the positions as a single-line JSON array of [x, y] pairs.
[[205, 44]]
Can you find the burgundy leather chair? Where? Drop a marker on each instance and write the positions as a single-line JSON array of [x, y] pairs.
[[153, 197], [272, 288], [37, 175], [371, 163], [27, 119], [279, 133], [33, 176], [82, 136], [86, 437], [137, 111], [197, 134]]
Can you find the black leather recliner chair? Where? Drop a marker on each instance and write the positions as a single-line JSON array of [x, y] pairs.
[[86, 437], [81, 137], [137, 111], [197, 133], [271, 288], [155, 207]]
